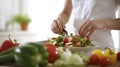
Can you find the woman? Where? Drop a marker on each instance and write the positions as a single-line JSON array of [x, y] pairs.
[[90, 19]]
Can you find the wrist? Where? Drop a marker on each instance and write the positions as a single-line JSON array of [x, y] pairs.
[[64, 17], [111, 24]]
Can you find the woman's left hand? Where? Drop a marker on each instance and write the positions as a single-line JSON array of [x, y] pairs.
[[90, 26]]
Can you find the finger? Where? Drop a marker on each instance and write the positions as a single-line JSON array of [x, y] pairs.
[[53, 27], [92, 31], [57, 29], [54, 31], [59, 21], [85, 32], [62, 26], [83, 27], [88, 29]]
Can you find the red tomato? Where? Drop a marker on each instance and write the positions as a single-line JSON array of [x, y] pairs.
[[94, 59], [52, 53], [65, 40], [118, 56], [104, 61]]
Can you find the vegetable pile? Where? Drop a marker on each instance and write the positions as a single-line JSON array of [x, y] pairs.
[[69, 41], [69, 59], [55, 52], [103, 57], [7, 50], [27, 55]]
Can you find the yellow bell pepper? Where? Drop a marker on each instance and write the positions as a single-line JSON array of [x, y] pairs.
[[111, 55]]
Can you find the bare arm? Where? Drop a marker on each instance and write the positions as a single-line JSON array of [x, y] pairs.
[[113, 24], [66, 11], [92, 25], [118, 3], [59, 24]]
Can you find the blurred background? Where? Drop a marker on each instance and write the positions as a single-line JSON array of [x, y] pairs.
[[42, 13]]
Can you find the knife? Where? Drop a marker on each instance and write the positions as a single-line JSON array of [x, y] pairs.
[[65, 33]]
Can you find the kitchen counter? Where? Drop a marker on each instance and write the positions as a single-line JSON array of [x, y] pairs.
[[117, 64], [26, 34], [20, 36]]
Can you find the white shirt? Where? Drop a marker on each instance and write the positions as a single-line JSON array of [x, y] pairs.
[[95, 9]]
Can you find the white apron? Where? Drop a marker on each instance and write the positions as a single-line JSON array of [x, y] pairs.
[[95, 9]]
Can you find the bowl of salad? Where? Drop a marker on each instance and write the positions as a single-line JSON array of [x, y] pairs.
[[74, 42]]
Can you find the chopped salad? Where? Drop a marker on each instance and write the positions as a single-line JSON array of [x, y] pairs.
[[70, 41]]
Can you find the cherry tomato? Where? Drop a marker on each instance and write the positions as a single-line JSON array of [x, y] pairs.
[[65, 40], [94, 59], [104, 61], [52, 53], [118, 56]]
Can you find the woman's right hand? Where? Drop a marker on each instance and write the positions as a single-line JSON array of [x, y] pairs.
[[57, 26]]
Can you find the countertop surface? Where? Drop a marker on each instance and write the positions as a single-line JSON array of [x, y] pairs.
[[117, 64]]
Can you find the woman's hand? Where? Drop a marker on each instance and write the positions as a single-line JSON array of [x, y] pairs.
[[90, 26], [57, 26]]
